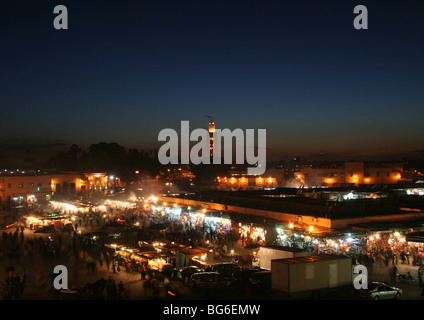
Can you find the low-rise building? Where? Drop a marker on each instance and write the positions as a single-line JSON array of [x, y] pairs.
[[24, 188], [239, 180], [20, 187], [352, 173]]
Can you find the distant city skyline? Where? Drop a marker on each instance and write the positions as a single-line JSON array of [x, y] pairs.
[[42, 150], [124, 70]]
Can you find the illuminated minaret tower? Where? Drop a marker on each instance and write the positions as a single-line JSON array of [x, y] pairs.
[[211, 131]]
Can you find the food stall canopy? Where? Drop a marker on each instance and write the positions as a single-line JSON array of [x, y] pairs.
[[157, 260], [146, 246], [156, 255], [34, 217], [192, 251], [183, 257], [173, 248]]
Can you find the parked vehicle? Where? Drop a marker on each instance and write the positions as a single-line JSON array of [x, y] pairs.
[[186, 273], [226, 269], [241, 277], [261, 281], [378, 290], [209, 280]]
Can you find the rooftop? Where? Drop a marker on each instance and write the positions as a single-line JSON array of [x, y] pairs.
[[316, 258], [283, 248]]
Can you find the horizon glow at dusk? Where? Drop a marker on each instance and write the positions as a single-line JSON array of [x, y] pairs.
[[124, 70]]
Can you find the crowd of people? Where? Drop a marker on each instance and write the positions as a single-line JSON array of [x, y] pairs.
[[39, 252], [21, 251]]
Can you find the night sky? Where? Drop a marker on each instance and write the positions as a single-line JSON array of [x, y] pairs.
[[124, 70]]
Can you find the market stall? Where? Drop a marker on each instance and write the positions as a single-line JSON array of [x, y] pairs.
[[250, 233], [173, 247], [416, 241], [52, 221], [157, 260], [216, 222], [191, 256], [294, 237]]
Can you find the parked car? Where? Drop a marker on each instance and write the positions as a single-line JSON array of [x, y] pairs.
[[209, 280], [378, 290], [186, 273], [226, 269], [261, 281], [241, 277]]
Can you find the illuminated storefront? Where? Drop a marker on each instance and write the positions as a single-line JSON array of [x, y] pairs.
[[346, 244], [217, 223], [291, 236], [56, 221], [121, 205], [251, 233], [415, 192], [192, 218]]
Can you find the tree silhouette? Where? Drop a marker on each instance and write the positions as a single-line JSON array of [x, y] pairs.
[[107, 157], [67, 161], [104, 156]]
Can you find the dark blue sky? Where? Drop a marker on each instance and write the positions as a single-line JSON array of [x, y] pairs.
[[124, 70]]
